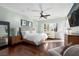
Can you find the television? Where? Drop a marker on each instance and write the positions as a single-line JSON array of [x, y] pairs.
[[74, 18]]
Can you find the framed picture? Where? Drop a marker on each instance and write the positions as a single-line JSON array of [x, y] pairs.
[[26, 23], [23, 22]]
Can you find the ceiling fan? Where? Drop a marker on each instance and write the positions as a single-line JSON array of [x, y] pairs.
[[42, 14]]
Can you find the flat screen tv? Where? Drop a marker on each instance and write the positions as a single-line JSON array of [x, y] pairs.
[[74, 19]]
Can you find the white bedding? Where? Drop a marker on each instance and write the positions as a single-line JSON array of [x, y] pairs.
[[37, 38]]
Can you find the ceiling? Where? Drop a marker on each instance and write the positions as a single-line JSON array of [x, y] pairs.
[[32, 10]]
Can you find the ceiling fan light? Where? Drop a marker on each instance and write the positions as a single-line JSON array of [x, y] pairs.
[[42, 19]]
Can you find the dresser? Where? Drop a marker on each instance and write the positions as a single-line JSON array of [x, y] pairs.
[[72, 39]]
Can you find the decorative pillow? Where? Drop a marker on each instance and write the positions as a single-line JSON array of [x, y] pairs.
[[24, 32]]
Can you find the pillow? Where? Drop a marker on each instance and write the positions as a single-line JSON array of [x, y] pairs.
[[24, 32], [32, 31]]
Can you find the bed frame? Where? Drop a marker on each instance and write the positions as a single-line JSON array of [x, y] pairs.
[[25, 40]]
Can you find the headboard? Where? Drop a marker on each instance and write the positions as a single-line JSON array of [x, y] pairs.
[[26, 28]]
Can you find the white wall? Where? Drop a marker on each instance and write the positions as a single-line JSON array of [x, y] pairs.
[[14, 18]]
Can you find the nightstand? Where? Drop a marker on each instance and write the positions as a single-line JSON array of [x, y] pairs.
[[15, 39]]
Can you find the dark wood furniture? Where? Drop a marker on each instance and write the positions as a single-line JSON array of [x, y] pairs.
[[72, 39], [15, 39]]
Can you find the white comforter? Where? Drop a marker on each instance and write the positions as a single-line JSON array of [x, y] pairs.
[[37, 38]]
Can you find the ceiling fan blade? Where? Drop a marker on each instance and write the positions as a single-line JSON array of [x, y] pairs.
[[42, 18], [47, 15]]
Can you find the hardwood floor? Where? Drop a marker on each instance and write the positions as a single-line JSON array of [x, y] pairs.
[[25, 49]]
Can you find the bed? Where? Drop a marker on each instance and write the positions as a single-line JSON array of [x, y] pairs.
[[32, 37]]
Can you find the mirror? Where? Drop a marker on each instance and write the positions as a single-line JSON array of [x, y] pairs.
[[3, 35]]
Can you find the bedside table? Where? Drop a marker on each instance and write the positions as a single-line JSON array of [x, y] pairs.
[[15, 39]]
